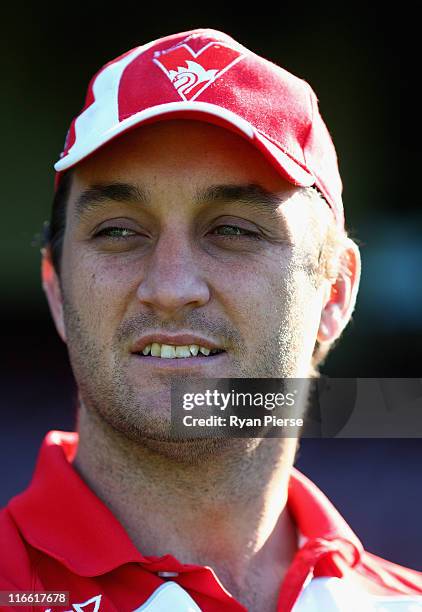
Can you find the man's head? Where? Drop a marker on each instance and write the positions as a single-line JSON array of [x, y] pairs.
[[182, 232]]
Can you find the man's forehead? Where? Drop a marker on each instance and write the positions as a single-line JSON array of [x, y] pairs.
[[183, 149]]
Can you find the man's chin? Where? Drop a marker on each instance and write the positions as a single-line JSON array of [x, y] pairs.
[[198, 450], [152, 430]]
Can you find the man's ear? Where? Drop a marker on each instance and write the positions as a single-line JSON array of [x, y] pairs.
[[51, 286], [341, 295]]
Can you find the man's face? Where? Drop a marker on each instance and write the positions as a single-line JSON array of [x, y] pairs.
[[185, 240]]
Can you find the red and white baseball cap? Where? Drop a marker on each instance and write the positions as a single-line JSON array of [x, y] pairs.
[[206, 75]]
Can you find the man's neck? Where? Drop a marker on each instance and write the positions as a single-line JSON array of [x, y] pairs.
[[227, 512]]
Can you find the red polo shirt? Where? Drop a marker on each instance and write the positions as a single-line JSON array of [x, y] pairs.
[[57, 535]]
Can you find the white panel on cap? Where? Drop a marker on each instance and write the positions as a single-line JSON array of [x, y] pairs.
[[103, 113]]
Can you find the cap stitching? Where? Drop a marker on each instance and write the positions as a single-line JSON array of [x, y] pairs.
[[285, 150], [308, 135]]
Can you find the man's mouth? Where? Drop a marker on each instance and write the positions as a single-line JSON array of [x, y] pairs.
[[170, 351]]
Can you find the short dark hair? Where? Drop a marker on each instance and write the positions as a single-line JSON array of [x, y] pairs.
[[54, 229]]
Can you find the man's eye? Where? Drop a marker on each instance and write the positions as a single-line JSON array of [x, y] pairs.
[[232, 231], [115, 232]]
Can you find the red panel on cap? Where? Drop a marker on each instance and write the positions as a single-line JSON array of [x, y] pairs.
[[271, 99]]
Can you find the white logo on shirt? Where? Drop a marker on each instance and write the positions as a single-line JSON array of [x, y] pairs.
[[80, 607]]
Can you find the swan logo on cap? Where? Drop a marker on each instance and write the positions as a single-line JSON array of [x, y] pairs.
[[191, 72]]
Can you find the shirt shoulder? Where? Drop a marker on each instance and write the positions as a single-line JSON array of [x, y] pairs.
[[332, 594], [16, 572], [384, 577]]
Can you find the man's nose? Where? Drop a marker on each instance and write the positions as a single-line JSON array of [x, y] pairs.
[[172, 280]]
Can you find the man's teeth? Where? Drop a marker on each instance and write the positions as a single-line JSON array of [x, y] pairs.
[[168, 351]]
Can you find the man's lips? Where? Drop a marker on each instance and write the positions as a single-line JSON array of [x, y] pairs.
[[176, 340], [181, 352]]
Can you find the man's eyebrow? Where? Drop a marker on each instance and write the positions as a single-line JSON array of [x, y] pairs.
[[98, 195], [252, 194]]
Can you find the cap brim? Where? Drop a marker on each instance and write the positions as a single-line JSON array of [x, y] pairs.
[[288, 167]]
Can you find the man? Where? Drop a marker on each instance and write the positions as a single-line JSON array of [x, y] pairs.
[[197, 232]]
